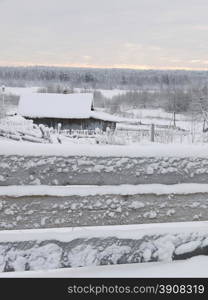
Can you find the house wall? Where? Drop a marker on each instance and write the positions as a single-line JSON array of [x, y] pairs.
[[90, 124]]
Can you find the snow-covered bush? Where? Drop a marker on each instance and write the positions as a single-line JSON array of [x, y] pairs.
[[109, 137]]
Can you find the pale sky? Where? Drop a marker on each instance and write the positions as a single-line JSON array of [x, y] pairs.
[[105, 33]]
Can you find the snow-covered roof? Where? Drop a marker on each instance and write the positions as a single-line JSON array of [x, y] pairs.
[[100, 115], [64, 106], [73, 106]]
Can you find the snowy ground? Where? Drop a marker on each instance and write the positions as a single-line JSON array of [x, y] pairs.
[[19, 91], [111, 93], [143, 150], [28, 90], [185, 268], [160, 117]]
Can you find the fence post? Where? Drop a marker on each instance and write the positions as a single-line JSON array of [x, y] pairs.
[[152, 136], [174, 119]]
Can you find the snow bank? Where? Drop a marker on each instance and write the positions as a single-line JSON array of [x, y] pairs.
[[187, 247], [185, 268], [91, 190], [149, 150], [81, 247]]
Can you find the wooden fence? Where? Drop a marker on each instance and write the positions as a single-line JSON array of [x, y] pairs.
[[158, 134]]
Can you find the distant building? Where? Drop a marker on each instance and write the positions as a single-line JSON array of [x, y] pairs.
[[73, 111]]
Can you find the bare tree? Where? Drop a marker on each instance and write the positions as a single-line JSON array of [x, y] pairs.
[[2, 103]]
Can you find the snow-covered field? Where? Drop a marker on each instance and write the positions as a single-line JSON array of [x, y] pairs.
[[155, 114], [111, 93], [160, 117], [28, 90], [19, 91]]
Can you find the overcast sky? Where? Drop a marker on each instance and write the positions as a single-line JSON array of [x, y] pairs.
[[112, 33]]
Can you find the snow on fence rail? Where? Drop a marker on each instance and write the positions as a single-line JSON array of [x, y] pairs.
[[161, 134], [24, 207], [79, 133], [87, 246], [101, 165], [155, 133]]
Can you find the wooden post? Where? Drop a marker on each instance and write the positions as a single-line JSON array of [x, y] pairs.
[[204, 122], [174, 119], [152, 136]]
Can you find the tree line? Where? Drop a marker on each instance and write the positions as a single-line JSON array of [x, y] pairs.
[[101, 78], [177, 91]]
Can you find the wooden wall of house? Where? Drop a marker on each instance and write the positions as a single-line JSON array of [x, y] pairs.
[[90, 124]]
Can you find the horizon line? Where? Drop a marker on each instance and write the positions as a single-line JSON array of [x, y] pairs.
[[119, 67]]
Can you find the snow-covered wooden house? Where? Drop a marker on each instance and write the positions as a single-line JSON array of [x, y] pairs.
[[72, 111]]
